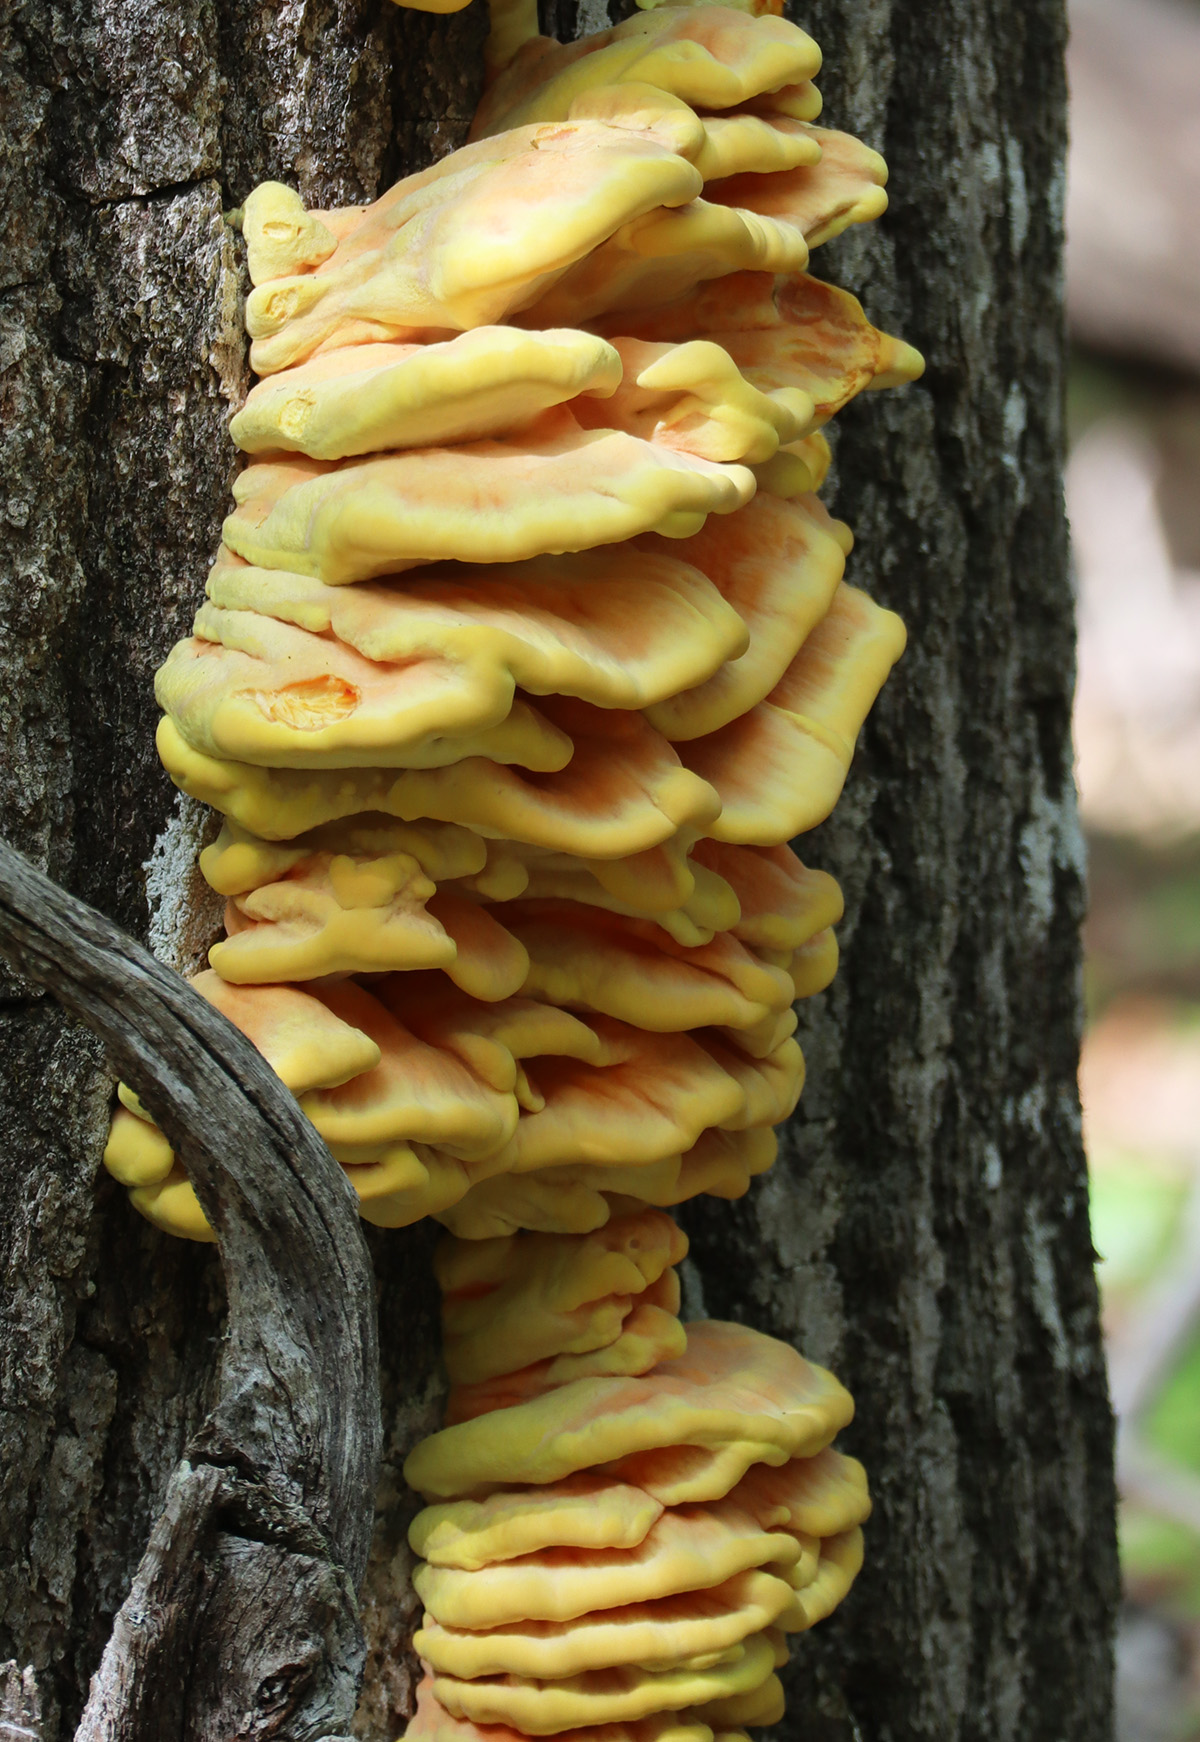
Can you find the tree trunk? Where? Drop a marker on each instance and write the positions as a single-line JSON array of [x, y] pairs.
[[926, 1232]]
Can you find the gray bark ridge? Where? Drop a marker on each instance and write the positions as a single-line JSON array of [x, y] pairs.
[[242, 1617]]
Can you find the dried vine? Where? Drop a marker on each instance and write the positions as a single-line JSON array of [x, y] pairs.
[[242, 1617]]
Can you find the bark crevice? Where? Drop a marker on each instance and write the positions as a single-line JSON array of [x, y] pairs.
[[249, 1583]]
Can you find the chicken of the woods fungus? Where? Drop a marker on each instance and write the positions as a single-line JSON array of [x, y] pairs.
[[526, 653]]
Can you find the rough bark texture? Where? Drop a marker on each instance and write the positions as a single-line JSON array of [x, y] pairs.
[[242, 1617], [927, 1232]]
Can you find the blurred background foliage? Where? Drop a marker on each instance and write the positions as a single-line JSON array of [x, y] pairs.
[[1133, 493]]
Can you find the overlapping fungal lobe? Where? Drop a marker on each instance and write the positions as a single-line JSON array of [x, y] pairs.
[[527, 651], [623, 1529]]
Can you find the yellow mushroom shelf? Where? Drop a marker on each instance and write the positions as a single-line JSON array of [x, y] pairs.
[[526, 653]]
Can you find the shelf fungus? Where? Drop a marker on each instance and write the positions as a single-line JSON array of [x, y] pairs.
[[527, 652]]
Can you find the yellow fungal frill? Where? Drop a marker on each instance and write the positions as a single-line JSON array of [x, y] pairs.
[[368, 397], [557, 488], [712, 57], [623, 791], [433, 1723], [732, 1390], [653, 1635], [266, 692], [576, 1199], [509, 1303], [466, 242], [778, 564], [803, 734], [527, 652], [793, 332]]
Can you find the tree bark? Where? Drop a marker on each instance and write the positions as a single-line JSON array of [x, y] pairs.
[[242, 1617], [926, 1232]]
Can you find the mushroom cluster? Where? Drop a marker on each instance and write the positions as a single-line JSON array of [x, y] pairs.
[[526, 653], [624, 1528]]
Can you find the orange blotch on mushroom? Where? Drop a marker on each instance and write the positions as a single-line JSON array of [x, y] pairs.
[[709, 56], [778, 565], [734, 1393], [464, 242], [780, 769], [508, 1303], [617, 628], [634, 970], [554, 487], [624, 790]]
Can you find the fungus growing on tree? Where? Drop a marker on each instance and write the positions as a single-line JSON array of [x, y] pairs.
[[527, 652]]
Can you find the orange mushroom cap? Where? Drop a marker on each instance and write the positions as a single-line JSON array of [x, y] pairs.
[[780, 768], [623, 791], [576, 1198], [632, 969], [467, 240], [709, 56], [508, 1303], [735, 1393], [554, 487], [778, 564], [620, 629]]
